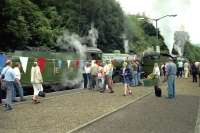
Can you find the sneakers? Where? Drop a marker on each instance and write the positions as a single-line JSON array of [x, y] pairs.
[[7, 107], [23, 100], [14, 100]]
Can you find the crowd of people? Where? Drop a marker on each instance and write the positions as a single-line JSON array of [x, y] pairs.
[[172, 70], [10, 82], [187, 69], [98, 76]]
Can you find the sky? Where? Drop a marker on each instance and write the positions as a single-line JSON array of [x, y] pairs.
[[187, 16]]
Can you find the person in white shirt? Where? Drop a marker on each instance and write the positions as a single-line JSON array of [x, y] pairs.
[[87, 69], [180, 69], [8, 77], [186, 69], [36, 80], [156, 72], [17, 84]]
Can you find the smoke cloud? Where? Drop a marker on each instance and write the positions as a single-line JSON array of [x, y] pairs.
[[180, 39]]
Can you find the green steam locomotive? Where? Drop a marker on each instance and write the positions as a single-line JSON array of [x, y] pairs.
[[62, 69]]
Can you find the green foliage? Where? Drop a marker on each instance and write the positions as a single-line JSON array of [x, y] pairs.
[[142, 34], [39, 23], [24, 24], [191, 52]]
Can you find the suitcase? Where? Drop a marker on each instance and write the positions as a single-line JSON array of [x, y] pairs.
[[158, 91]]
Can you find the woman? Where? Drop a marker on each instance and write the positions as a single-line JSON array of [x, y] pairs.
[[36, 80], [163, 67], [126, 73], [156, 72]]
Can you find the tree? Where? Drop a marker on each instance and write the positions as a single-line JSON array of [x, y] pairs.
[[191, 52], [24, 24], [142, 34]]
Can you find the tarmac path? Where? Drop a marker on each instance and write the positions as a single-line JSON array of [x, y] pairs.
[[154, 115]]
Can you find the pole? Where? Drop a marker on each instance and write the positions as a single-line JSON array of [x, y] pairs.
[[157, 39], [157, 30], [156, 20]]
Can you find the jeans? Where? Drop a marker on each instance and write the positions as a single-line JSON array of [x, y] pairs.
[[18, 87], [9, 90], [194, 77], [85, 80], [180, 72], [89, 82], [171, 85], [93, 79], [134, 78], [139, 77]]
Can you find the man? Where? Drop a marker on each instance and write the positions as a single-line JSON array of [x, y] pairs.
[[9, 79], [108, 77], [17, 84], [194, 71], [94, 71], [170, 77], [87, 70], [180, 69]]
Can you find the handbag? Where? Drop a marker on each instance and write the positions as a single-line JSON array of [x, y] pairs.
[[41, 94], [3, 84]]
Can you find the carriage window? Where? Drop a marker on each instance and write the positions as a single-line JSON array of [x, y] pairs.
[[94, 56]]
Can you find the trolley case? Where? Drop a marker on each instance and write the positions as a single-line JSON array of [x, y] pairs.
[[158, 91]]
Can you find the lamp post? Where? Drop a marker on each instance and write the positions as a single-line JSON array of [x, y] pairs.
[[156, 20]]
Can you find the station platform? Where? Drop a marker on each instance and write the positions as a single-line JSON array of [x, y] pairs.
[[70, 111]]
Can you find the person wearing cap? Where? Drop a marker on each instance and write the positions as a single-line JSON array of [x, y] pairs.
[[36, 80], [17, 84], [8, 75], [171, 71]]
